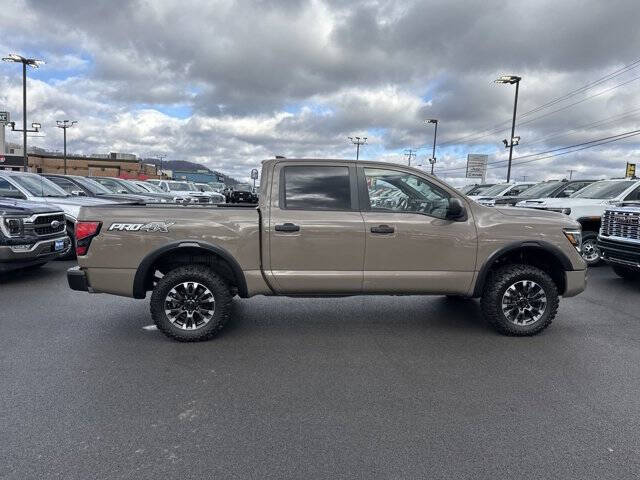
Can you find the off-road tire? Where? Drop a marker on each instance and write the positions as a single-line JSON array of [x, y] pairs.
[[201, 274], [500, 281], [591, 237], [626, 272]]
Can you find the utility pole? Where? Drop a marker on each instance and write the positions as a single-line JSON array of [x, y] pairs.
[[32, 62], [161, 157], [357, 141], [432, 160], [511, 79], [409, 153], [571, 173], [64, 124], [524, 178]]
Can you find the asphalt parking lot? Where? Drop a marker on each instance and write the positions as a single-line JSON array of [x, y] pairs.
[[362, 387]]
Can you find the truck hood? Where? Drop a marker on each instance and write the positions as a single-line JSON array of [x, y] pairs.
[[24, 207], [532, 216], [561, 202], [71, 205]]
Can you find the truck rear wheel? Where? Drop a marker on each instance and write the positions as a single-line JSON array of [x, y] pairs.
[[626, 272], [520, 300], [191, 303]]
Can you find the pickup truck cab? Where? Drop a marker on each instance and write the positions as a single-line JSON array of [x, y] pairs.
[[31, 234], [316, 232], [587, 206]]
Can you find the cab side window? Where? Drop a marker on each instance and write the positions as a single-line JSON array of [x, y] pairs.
[[316, 188], [8, 190], [635, 195], [65, 184], [395, 191]]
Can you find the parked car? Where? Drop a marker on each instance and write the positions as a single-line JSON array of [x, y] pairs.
[[31, 234], [184, 189], [619, 239], [243, 193], [206, 189], [487, 198], [308, 236], [34, 187], [83, 186], [475, 188], [548, 189], [125, 187], [587, 206]]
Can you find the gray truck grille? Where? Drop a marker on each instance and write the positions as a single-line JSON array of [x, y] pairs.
[[621, 224], [49, 224]]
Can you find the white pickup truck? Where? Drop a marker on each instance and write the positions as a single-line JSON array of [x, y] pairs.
[[587, 207]]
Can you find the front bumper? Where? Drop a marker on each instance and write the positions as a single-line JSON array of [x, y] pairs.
[[619, 252], [78, 280], [20, 255]]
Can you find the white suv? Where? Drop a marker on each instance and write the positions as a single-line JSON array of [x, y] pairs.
[[183, 188], [487, 197], [587, 206]]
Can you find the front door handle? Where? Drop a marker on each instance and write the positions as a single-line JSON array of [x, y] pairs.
[[287, 227], [384, 229]]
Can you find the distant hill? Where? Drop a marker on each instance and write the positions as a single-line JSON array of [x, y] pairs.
[[187, 166]]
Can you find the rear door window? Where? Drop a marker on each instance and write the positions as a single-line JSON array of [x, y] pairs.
[[316, 188]]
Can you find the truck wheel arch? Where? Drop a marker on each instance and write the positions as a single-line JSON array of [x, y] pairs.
[[538, 250], [146, 270]]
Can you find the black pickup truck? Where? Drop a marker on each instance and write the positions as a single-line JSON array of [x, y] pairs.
[[31, 234]]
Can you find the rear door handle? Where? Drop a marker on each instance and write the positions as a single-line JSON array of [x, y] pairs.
[[384, 229], [287, 227]]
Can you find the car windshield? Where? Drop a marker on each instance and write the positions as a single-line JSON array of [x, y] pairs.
[[244, 186], [604, 190], [94, 187], [495, 190], [204, 188], [133, 187], [39, 186], [179, 186], [541, 190], [151, 187]]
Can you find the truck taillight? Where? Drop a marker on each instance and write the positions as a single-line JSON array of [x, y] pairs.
[[85, 231]]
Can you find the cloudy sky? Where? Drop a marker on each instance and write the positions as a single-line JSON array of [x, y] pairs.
[[231, 83]]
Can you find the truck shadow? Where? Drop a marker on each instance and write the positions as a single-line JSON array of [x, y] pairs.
[[30, 274]]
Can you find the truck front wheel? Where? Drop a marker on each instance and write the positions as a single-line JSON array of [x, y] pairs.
[[590, 250], [520, 300], [191, 303]]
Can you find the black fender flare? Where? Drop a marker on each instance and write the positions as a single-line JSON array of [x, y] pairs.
[[139, 289], [558, 254]]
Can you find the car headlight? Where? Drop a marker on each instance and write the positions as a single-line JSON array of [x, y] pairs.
[[566, 211], [12, 226], [575, 237]]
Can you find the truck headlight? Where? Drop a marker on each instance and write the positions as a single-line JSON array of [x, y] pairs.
[[12, 226], [575, 237]]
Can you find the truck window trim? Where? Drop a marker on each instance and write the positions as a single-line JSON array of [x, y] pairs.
[[353, 188]]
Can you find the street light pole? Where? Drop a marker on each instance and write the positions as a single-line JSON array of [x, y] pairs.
[[32, 62], [64, 124], [357, 141], [511, 79], [432, 160]]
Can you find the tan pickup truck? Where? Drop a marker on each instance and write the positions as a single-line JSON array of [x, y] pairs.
[[328, 228]]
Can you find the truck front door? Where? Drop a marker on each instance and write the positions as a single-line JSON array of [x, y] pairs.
[[315, 230], [410, 244]]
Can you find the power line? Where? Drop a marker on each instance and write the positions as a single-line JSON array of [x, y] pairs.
[[498, 127]]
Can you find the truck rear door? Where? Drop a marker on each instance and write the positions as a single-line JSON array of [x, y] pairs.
[[316, 231]]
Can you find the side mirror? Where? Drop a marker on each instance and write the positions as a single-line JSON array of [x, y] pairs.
[[455, 210], [78, 193]]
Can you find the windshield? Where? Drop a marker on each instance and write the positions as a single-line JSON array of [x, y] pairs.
[[151, 187], [94, 187], [131, 186], [39, 186], [183, 186], [244, 186], [604, 190], [495, 190], [204, 187], [541, 190]]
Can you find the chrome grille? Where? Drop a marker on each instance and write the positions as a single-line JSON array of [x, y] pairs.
[[621, 223]]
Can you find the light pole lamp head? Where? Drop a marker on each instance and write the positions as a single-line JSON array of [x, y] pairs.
[[431, 120], [432, 161], [511, 79], [36, 126], [32, 62], [506, 143]]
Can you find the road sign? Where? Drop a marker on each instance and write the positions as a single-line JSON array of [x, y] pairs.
[[254, 174], [476, 165], [631, 170], [4, 117]]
